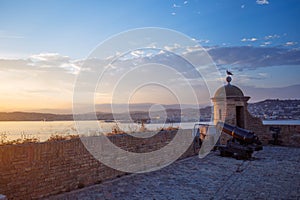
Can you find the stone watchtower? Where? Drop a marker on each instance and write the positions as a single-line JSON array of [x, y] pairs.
[[230, 106]]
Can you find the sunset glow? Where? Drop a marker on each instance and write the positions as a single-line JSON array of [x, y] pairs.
[[41, 53]]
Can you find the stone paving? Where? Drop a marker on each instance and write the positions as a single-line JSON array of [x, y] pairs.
[[272, 174]]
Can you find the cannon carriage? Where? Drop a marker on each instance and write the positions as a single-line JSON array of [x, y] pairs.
[[242, 144]]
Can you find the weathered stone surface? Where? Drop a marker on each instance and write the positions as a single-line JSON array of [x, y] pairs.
[[31, 171], [272, 174]]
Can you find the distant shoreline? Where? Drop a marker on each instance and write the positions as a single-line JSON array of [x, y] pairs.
[[267, 110], [265, 122], [281, 122]]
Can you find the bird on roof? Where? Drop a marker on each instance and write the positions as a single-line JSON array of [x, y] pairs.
[[229, 73]]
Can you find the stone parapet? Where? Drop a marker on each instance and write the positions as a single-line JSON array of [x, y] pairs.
[[37, 170]]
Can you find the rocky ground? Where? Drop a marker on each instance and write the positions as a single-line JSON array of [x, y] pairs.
[[272, 174]]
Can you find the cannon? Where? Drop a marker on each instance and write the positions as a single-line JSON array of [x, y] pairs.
[[242, 144]]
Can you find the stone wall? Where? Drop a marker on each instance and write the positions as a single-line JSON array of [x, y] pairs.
[[255, 124], [31, 171], [289, 135]]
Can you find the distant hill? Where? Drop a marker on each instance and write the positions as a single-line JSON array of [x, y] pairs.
[[276, 109], [267, 109], [137, 112], [260, 94], [27, 116], [120, 108]]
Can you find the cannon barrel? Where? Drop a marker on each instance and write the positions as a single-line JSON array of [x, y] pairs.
[[242, 144], [238, 133]]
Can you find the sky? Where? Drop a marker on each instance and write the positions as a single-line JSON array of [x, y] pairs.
[[44, 43]]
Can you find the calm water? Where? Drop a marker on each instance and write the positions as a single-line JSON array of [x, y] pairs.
[[43, 130], [281, 122]]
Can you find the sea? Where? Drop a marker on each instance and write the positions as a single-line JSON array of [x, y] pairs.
[[43, 130]]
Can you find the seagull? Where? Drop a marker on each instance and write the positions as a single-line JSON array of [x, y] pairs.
[[229, 73]]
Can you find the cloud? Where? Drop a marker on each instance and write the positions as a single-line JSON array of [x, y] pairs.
[[48, 78], [259, 94], [50, 62], [48, 57], [247, 79], [264, 44], [40, 81], [266, 38], [269, 37], [245, 57], [194, 48], [172, 48], [137, 53], [185, 2], [262, 2], [253, 39], [204, 41], [173, 13], [53, 60], [13, 64], [290, 43], [264, 75], [176, 6]]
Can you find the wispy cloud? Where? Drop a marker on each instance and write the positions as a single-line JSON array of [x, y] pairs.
[[176, 6], [172, 48], [245, 57], [193, 49], [48, 57], [247, 79], [290, 43], [264, 44], [204, 41], [259, 94], [137, 53], [30, 84], [253, 39], [262, 2], [269, 37], [53, 60], [49, 77]]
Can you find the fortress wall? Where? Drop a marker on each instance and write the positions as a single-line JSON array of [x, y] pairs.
[[36, 170], [289, 135], [255, 124]]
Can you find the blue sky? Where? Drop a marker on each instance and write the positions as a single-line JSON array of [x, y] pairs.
[[73, 28], [232, 31]]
